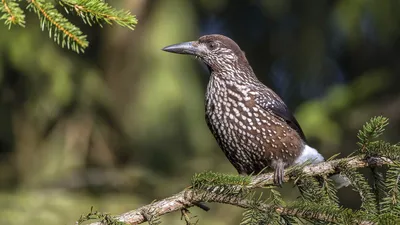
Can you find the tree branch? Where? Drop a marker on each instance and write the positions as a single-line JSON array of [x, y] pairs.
[[187, 198], [13, 14], [99, 11], [53, 21]]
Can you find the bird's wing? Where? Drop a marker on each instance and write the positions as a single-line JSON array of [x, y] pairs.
[[272, 103]]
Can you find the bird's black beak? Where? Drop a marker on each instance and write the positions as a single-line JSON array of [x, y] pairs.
[[183, 48]]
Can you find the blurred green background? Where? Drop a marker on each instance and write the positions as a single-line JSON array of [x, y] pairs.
[[123, 123]]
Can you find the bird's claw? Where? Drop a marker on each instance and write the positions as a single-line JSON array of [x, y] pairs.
[[278, 176]]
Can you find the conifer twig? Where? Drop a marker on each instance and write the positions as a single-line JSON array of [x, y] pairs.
[[324, 168], [55, 21], [7, 9], [98, 11], [13, 14], [187, 198], [60, 29]]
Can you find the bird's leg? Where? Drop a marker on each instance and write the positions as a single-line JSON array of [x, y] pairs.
[[279, 172]]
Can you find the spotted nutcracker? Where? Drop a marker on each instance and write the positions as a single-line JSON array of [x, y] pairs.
[[251, 123]]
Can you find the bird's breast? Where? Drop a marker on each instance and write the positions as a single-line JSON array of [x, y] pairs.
[[245, 131]]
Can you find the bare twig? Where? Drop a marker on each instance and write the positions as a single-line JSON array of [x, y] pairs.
[[188, 198], [186, 216]]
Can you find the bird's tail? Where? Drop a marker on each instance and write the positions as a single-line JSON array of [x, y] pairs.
[[312, 154]]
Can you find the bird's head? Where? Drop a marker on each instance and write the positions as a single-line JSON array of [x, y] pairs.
[[216, 51]]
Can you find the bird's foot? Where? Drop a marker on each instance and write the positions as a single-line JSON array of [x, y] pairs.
[[279, 174]]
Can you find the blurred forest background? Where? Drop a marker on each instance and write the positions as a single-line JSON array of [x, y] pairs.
[[123, 123]]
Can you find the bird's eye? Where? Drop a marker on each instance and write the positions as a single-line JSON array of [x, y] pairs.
[[211, 45]]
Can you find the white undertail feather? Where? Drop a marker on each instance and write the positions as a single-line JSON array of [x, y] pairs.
[[313, 155]]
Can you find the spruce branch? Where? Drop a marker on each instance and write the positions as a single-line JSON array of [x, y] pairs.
[[104, 218], [331, 192], [62, 31], [319, 203], [371, 130], [378, 187], [12, 13], [252, 216], [391, 202], [362, 187], [98, 11], [188, 197], [324, 168], [58, 26]]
